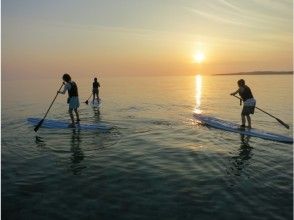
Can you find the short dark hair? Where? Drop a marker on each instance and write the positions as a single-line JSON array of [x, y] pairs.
[[241, 82], [95, 79], [66, 77]]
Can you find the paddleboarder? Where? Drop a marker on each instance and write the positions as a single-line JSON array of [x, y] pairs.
[[73, 98], [248, 102], [95, 90]]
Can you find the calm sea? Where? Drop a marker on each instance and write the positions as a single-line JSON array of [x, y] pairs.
[[157, 162]]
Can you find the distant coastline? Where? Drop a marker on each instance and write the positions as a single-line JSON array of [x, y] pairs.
[[258, 73]]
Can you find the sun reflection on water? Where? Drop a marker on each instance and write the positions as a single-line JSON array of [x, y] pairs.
[[198, 93]]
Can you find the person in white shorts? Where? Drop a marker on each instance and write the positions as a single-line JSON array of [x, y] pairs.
[[73, 98], [248, 102]]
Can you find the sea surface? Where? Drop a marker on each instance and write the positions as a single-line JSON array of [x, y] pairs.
[[157, 162]]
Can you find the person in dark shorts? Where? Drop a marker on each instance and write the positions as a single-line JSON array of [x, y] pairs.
[[95, 90], [248, 102], [73, 98]]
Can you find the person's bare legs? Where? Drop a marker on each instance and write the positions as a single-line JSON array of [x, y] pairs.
[[248, 120], [71, 117], [243, 120], [93, 97], [77, 115]]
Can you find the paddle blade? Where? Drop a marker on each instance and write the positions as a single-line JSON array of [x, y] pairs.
[[283, 123], [86, 102], [38, 125]]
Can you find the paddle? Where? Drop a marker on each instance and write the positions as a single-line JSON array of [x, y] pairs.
[[279, 120], [88, 99], [41, 122]]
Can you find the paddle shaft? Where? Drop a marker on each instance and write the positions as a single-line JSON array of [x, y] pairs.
[[87, 101], [90, 96], [41, 122], [279, 120]]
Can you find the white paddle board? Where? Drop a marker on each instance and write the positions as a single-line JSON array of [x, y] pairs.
[[96, 104], [233, 127], [59, 124]]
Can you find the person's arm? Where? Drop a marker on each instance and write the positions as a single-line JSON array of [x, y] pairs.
[[66, 87], [98, 84], [234, 93]]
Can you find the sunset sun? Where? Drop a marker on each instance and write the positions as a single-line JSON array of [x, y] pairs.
[[199, 57]]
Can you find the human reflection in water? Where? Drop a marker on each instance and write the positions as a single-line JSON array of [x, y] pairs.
[[97, 114], [241, 161], [77, 153]]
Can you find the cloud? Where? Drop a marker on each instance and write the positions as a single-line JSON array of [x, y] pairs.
[[213, 17]]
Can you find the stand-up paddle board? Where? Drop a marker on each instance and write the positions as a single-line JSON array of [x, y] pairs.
[[59, 124], [96, 104], [233, 127]]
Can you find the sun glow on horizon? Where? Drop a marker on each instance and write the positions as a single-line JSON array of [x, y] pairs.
[[199, 57]]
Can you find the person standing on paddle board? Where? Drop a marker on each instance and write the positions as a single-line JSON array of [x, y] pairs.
[[249, 102], [73, 97], [95, 90]]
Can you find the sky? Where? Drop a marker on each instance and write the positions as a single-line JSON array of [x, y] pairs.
[[44, 39]]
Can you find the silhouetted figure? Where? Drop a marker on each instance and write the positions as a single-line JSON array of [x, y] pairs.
[[95, 90], [73, 98], [248, 102]]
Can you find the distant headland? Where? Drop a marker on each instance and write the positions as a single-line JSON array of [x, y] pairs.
[[258, 73]]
